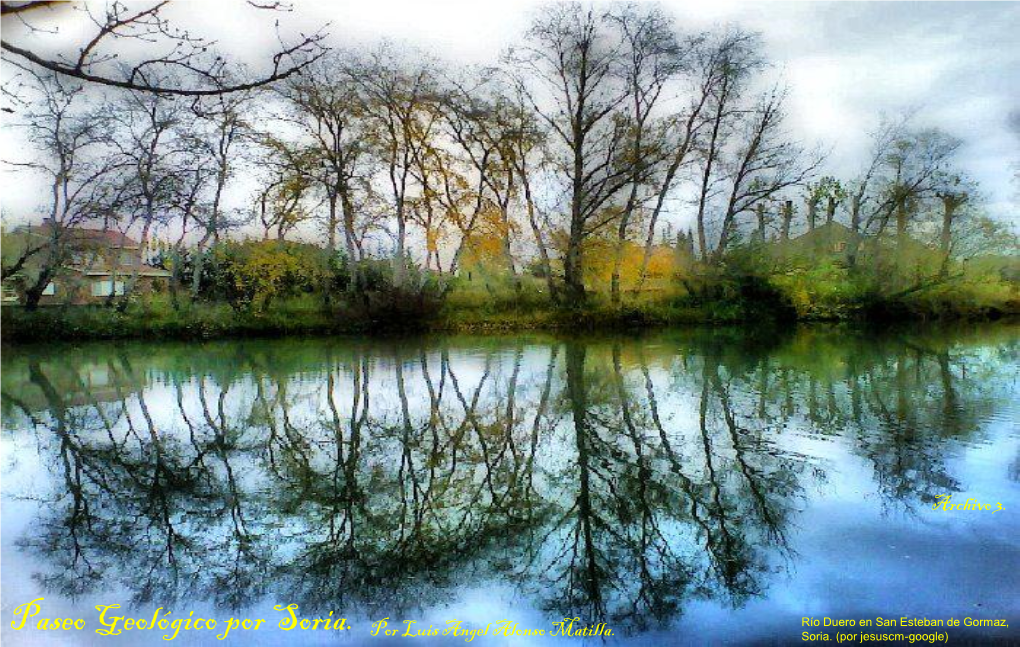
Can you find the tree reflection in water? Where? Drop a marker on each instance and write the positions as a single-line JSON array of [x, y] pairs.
[[607, 479]]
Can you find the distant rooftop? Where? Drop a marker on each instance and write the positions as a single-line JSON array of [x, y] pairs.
[[90, 236]]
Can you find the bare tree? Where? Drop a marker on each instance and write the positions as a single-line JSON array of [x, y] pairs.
[[524, 147], [71, 143], [571, 55], [223, 127], [682, 129], [737, 60], [766, 163], [151, 149], [446, 197], [328, 108], [861, 189], [652, 59], [482, 121], [400, 96]]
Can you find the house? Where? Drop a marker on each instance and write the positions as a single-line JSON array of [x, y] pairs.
[[1004, 267], [79, 378], [100, 263], [837, 242], [831, 239]]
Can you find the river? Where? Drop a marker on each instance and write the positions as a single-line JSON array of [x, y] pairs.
[[693, 486]]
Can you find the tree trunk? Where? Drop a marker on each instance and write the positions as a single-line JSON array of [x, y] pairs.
[[614, 281], [196, 269], [784, 233], [573, 269], [830, 211], [399, 262], [573, 264], [350, 243], [331, 235], [628, 210], [901, 223], [706, 176], [132, 283], [948, 211], [34, 293], [507, 252], [646, 257], [855, 227], [702, 201], [504, 214], [725, 232], [760, 211], [175, 277], [667, 182], [543, 251]]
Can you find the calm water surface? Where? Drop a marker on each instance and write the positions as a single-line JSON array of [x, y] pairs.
[[685, 487]]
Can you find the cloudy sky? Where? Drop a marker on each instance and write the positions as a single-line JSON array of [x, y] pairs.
[[956, 63]]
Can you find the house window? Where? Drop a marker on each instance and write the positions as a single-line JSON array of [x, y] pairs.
[[9, 293], [839, 247], [49, 290], [106, 288]]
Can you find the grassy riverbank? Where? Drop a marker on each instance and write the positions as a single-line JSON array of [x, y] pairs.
[[501, 308], [303, 317]]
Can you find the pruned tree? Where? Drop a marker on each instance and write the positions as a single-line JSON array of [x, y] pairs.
[[827, 190], [861, 190], [910, 170], [952, 191], [786, 219]]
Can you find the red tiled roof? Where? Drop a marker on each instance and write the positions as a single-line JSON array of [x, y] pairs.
[[85, 235]]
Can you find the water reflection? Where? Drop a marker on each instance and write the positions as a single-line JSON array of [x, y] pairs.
[[612, 479]]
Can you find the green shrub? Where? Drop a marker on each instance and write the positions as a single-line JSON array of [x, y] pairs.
[[250, 275]]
